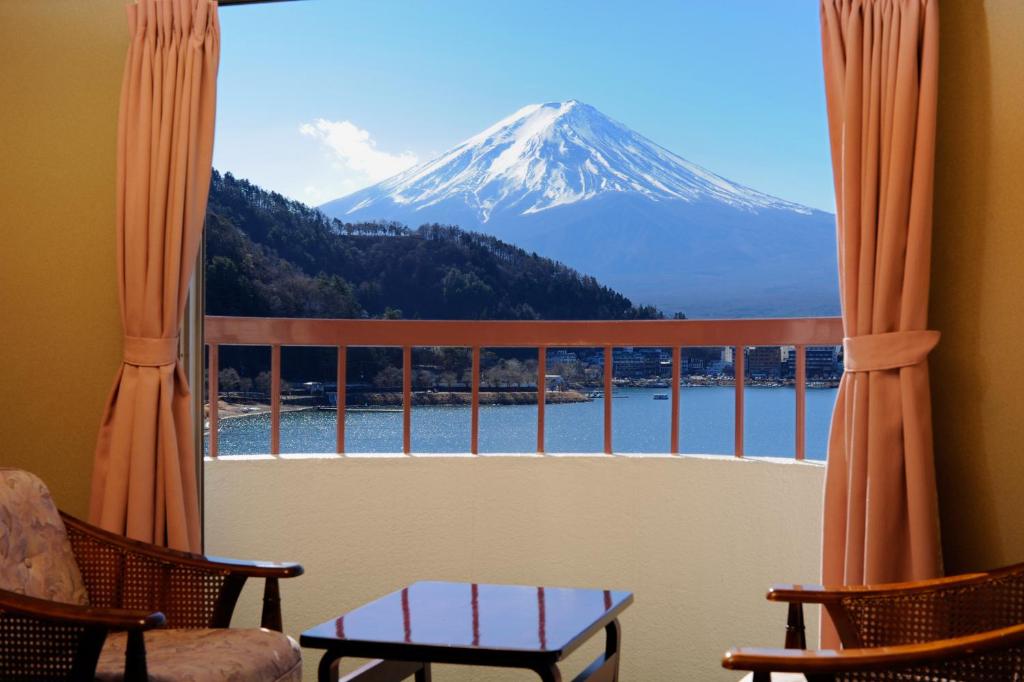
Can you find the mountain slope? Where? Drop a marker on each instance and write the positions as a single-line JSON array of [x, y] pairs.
[[270, 256], [566, 181]]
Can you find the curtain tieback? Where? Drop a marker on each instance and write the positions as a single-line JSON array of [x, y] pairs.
[[143, 351], [876, 352]]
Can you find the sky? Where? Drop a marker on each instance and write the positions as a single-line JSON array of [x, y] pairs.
[[320, 98]]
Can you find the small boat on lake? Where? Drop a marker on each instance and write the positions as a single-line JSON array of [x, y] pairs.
[[661, 396]]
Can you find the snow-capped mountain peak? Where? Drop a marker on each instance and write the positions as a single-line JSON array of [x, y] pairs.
[[567, 182], [549, 155]]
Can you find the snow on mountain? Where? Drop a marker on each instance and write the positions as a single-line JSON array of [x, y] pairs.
[[568, 182], [548, 155]]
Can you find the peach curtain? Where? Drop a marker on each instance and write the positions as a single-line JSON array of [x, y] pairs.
[[144, 479], [881, 76]]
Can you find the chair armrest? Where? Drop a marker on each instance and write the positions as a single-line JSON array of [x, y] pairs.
[[249, 569], [841, 604], [908, 612], [64, 641], [255, 569], [192, 589], [828, 661], [825, 594], [74, 614]]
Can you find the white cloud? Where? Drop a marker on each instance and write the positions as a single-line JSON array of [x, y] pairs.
[[356, 149]]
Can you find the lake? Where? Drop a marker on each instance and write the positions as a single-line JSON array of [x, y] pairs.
[[640, 424]]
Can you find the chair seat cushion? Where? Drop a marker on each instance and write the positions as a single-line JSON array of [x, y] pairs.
[[208, 656], [779, 677]]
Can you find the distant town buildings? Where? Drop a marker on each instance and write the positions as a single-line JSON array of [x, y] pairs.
[[639, 363], [568, 369], [763, 363], [822, 362], [704, 361], [562, 356], [554, 382]]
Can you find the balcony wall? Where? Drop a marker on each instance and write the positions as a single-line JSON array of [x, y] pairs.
[[697, 539]]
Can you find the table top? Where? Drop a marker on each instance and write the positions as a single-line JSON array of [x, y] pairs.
[[436, 621]]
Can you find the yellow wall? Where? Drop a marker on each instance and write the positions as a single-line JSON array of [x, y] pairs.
[[978, 283], [60, 339]]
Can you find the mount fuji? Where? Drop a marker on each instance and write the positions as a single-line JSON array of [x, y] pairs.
[[566, 181]]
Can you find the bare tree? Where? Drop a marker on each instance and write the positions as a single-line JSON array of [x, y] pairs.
[[388, 378]]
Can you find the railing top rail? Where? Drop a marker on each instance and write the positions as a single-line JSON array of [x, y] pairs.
[[261, 331]]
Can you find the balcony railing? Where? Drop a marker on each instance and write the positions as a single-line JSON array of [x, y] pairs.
[[475, 335]]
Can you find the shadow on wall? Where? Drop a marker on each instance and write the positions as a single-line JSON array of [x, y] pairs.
[[964, 457]]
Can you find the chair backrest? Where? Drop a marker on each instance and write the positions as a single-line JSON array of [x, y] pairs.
[[35, 556]]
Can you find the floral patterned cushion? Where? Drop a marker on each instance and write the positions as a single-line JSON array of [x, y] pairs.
[[208, 656], [35, 555]]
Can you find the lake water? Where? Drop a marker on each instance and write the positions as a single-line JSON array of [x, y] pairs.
[[640, 424]]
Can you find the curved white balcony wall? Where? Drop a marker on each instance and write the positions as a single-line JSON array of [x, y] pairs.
[[697, 539]]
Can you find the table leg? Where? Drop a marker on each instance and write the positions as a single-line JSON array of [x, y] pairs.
[[549, 674], [605, 668], [374, 671], [612, 645], [327, 671]]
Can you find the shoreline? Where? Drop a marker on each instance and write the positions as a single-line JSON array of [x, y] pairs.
[[429, 398], [391, 401], [381, 402]]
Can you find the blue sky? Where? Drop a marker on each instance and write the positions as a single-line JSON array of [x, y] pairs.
[[319, 98]]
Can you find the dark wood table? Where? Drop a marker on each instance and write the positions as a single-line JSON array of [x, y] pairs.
[[505, 626]]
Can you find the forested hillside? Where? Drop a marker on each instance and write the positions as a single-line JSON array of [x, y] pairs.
[[270, 256]]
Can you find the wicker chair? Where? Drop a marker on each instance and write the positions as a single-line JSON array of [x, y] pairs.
[[965, 628], [78, 603]]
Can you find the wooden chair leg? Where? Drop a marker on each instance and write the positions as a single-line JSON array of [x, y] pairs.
[[226, 601], [83, 667], [796, 636], [135, 658], [271, 616]]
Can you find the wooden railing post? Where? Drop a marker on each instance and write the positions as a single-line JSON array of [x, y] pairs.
[[739, 372], [608, 370], [342, 398], [275, 399], [407, 399], [800, 384], [474, 438], [677, 370], [542, 389], [213, 381]]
